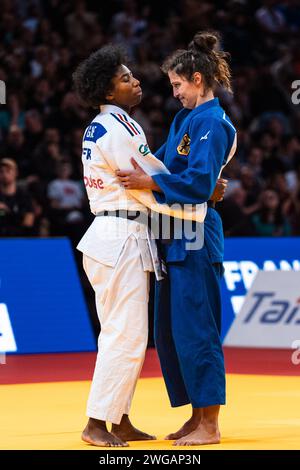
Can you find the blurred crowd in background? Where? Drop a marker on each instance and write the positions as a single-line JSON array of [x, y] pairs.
[[41, 126]]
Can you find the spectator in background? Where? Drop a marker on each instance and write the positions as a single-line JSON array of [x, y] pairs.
[[80, 22], [278, 182], [46, 156], [40, 60], [234, 214], [15, 147], [269, 18], [43, 41], [16, 208], [255, 158], [73, 148], [66, 201], [33, 128], [12, 116], [69, 115], [41, 98], [290, 152], [251, 185], [291, 208], [269, 220]]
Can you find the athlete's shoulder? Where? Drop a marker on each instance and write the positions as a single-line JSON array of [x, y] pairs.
[[215, 117], [181, 115], [226, 120], [205, 119], [220, 115], [125, 124], [95, 130]]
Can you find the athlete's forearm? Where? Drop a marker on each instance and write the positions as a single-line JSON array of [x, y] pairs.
[[137, 179], [153, 185], [141, 181]]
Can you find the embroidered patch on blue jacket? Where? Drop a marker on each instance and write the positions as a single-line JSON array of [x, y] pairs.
[[93, 132]]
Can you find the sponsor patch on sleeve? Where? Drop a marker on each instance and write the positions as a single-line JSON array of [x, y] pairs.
[[144, 149]]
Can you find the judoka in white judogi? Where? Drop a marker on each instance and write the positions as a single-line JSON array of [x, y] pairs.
[[118, 255]]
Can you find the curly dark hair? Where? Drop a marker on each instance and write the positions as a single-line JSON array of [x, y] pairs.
[[93, 77]]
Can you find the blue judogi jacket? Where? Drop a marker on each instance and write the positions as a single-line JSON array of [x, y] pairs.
[[198, 145]]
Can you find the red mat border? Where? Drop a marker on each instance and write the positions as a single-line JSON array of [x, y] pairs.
[[33, 368]]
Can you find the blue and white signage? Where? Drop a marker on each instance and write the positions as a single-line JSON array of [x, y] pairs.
[[244, 257], [270, 315], [42, 308], [7, 339]]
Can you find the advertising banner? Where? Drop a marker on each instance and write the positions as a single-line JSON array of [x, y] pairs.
[[270, 315], [244, 257], [42, 307]]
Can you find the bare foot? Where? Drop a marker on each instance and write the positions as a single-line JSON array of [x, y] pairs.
[[95, 433], [187, 428], [203, 434], [127, 432]]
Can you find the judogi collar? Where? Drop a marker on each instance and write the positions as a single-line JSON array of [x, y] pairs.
[[111, 108], [204, 106]]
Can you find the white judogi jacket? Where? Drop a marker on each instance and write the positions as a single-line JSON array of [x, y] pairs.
[[109, 142]]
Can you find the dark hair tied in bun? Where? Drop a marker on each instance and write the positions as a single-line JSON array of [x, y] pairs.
[[205, 42], [203, 55]]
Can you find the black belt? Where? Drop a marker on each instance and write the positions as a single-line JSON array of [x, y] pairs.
[[155, 222], [132, 215], [138, 216]]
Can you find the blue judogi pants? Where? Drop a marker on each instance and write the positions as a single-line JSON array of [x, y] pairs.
[[187, 329]]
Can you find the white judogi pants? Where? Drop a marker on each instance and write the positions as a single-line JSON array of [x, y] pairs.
[[122, 294]]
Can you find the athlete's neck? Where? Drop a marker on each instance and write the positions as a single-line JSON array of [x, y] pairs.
[[203, 99], [127, 109]]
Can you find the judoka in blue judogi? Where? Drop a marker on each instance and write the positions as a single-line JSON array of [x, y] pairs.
[[188, 303]]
